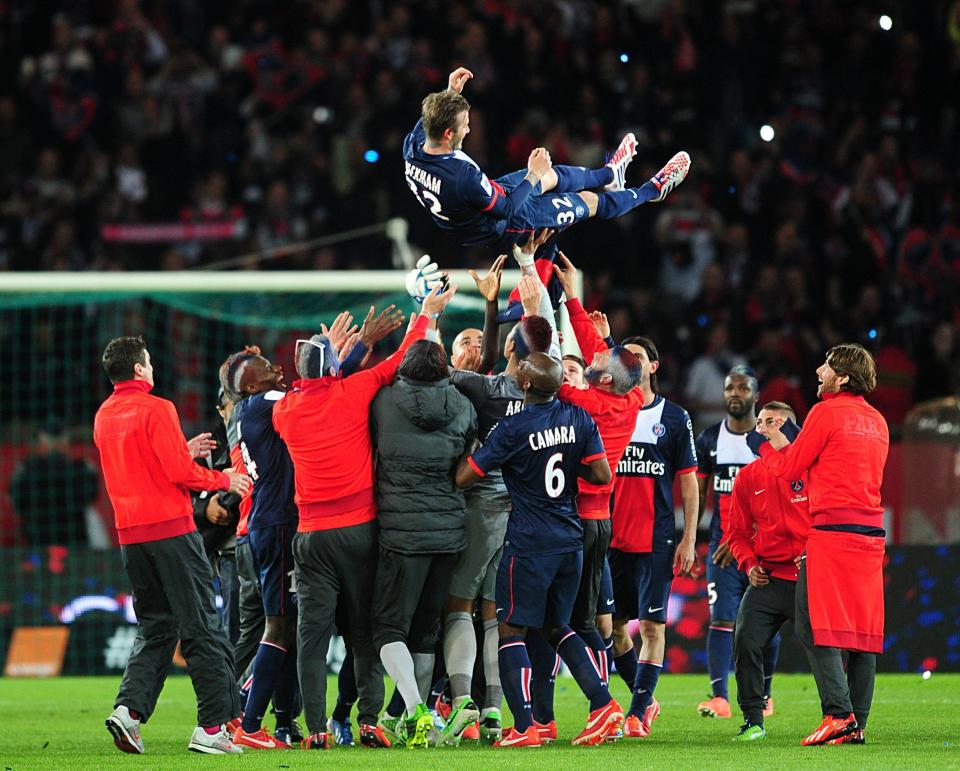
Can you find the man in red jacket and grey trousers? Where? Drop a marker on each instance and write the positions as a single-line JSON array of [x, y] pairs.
[[843, 448], [325, 422], [148, 469], [767, 531]]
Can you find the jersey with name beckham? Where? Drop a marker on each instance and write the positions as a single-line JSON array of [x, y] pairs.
[[540, 451]]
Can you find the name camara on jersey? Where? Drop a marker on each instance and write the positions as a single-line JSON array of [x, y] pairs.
[[551, 437]]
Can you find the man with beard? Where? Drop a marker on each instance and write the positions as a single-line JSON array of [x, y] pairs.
[[721, 452]]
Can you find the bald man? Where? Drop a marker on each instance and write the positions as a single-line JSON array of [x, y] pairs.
[[465, 351]]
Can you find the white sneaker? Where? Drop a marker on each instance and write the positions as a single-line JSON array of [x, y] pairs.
[[619, 161], [213, 744], [125, 730], [671, 175]]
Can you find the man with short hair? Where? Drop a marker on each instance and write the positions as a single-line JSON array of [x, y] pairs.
[[541, 450], [148, 469], [573, 369], [843, 448], [721, 452], [767, 531], [613, 400], [499, 213], [421, 425], [258, 386], [643, 555], [494, 397], [325, 422]]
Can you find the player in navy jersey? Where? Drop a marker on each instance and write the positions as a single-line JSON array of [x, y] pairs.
[[542, 451], [721, 452], [258, 386], [643, 554], [498, 213]]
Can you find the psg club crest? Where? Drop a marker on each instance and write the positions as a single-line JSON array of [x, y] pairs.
[[797, 486], [659, 429]]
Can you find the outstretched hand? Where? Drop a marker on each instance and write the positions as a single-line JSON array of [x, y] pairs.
[[458, 79], [436, 301], [599, 319], [536, 240], [566, 275], [338, 332], [489, 285], [539, 162], [375, 329]]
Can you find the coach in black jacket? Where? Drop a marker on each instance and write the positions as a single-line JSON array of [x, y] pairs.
[[421, 425]]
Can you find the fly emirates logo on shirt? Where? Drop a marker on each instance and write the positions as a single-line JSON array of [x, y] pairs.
[[633, 462], [551, 437]]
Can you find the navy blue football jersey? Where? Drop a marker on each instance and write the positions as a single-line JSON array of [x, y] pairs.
[[461, 199], [721, 453], [661, 447], [540, 450], [267, 460]]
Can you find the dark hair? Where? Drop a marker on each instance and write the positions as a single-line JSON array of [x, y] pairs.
[[532, 335], [440, 111], [652, 354], [120, 355], [317, 358], [743, 370], [424, 361], [781, 407], [230, 369], [577, 359]]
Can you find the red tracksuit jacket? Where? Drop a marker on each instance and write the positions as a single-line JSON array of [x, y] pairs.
[[769, 521], [147, 466], [843, 447], [325, 423], [615, 415]]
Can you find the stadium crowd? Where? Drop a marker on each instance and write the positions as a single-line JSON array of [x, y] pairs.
[[286, 123]]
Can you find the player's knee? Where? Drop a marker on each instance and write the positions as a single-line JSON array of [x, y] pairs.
[[652, 632], [459, 605], [508, 630], [605, 625], [592, 200]]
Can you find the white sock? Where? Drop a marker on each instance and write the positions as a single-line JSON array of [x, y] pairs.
[[423, 668], [398, 662], [460, 652]]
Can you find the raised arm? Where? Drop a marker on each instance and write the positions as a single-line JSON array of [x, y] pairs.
[[588, 338], [489, 288], [793, 459]]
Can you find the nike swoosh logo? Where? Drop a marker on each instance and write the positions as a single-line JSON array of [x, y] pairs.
[[499, 610], [654, 610], [757, 492], [266, 745], [713, 453], [609, 602]]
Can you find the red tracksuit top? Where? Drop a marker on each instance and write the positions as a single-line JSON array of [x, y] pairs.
[[325, 423], [615, 415], [769, 521], [843, 447], [147, 467], [246, 502]]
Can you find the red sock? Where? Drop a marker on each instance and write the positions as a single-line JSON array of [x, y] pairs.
[[134, 714], [214, 729]]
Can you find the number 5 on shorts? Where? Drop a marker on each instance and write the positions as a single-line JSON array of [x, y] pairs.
[[712, 593]]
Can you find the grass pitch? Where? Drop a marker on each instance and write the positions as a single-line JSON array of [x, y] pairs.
[[915, 724]]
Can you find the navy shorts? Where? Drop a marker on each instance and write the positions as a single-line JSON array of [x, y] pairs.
[[537, 591], [641, 584], [272, 551], [546, 210], [725, 588], [606, 603]]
